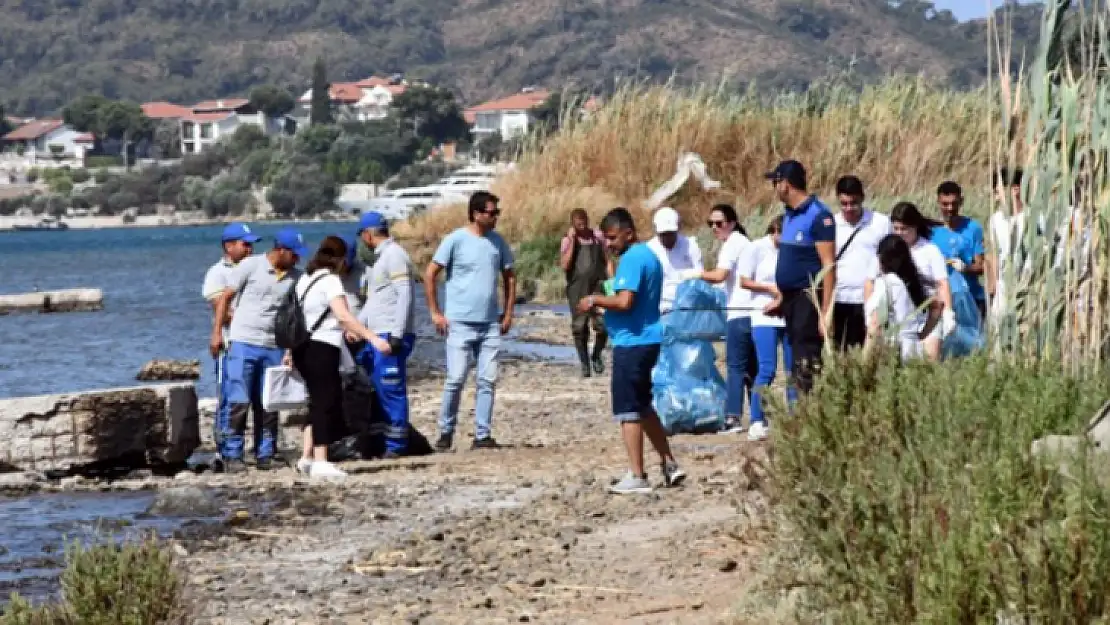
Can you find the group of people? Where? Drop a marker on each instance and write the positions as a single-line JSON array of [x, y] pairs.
[[356, 316]]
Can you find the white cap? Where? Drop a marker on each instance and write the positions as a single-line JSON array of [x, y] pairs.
[[666, 220]]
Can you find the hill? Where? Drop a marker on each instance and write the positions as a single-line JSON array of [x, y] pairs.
[[54, 50]]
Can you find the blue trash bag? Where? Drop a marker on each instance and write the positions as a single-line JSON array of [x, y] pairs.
[[969, 334], [698, 312], [688, 392]]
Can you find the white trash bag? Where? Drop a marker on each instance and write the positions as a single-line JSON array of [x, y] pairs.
[[283, 389]]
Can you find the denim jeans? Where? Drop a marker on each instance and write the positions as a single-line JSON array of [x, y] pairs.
[[246, 366], [482, 341], [740, 357], [767, 342]]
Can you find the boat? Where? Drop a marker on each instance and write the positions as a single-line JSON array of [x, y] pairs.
[[46, 223]]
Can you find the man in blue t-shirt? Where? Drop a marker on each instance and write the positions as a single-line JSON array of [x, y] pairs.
[[632, 319], [806, 270], [961, 242]]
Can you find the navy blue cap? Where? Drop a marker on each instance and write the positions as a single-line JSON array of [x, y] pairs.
[[790, 171], [292, 240], [237, 231], [372, 219]]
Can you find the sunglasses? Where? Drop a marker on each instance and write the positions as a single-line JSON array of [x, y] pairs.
[[493, 212], [715, 223]]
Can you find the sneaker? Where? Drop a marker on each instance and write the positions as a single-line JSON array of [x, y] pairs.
[[673, 475], [599, 364], [264, 464], [234, 465], [303, 465], [732, 426], [758, 431], [631, 485], [443, 443], [326, 470], [485, 443]]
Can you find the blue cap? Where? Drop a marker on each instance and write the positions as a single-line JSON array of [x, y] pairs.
[[790, 171], [372, 219], [292, 240], [237, 231], [352, 249]]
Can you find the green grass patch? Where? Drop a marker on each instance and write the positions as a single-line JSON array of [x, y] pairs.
[[537, 268]]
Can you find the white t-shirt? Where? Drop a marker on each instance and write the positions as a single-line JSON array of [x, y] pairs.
[[729, 258], [897, 315], [761, 268], [855, 265], [317, 301], [685, 255], [930, 264]]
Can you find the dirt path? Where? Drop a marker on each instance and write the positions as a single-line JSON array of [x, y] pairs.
[[527, 533]]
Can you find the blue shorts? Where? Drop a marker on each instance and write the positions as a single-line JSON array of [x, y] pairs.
[[631, 381]]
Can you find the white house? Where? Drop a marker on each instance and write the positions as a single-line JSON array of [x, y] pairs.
[[212, 120], [510, 116], [367, 99], [48, 140]]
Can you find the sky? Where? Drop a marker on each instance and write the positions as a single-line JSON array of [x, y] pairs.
[[965, 9]]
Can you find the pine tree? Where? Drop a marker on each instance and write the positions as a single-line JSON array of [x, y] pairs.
[[321, 100]]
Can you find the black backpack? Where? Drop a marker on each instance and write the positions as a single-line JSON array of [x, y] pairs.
[[290, 327]]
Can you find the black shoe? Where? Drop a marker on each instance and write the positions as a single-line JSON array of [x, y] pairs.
[[586, 370], [443, 443], [599, 365], [234, 465], [485, 443], [264, 464]]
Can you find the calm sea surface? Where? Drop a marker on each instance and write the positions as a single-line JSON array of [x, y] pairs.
[[151, 279]]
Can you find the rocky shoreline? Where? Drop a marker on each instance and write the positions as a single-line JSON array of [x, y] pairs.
[[526, 533]]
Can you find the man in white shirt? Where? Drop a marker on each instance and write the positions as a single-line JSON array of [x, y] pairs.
[[677, 253], [858, 232]]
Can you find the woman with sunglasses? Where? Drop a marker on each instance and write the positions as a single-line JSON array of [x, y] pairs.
[[740, 347]]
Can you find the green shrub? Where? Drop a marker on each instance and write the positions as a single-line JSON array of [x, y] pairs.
[[102, 175], [61, 185], [79, 175], [33, 175], [133, 584], [102, 160], [915, 489], [537, 269]]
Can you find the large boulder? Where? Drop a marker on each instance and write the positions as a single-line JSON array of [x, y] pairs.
[[69, 432], [165, 370]]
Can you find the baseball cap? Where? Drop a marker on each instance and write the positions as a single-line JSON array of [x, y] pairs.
[[291, 240], [372, 219], [790, 171], [666, 220], [237, 231]]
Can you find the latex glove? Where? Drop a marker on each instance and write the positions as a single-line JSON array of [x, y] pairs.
[[957, 264], [947, 322], [689, 274]]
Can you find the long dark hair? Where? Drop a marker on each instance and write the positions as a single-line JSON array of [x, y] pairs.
[[907, 213], [331, 255], [894, 257], [730, 215]]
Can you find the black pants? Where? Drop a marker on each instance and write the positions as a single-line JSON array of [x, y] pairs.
[[981, 304], [318, 364], [849, 325], [802, 326]]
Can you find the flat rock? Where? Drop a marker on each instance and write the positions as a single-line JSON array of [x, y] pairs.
[[21, 481], [189, 501], [165, 370]]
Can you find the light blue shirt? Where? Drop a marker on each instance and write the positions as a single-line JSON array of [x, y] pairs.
[[473, 264], [965, 242], [641, 272]]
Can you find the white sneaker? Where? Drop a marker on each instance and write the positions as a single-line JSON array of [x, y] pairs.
[[326, 470], [758, 431], [303, 466]]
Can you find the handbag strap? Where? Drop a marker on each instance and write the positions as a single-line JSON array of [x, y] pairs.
[[327, 309], [851, 238]]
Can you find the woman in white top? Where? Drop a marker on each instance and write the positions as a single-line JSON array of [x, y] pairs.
[[324, 302], [897, 308], [757, 273], [739, 348], [914, 228]]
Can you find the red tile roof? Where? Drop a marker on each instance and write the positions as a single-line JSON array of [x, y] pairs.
[[229, 104], [516, 102], [164, 110], [85, 137], [215, 116], [345, 92], [34, 129], [373, 81]]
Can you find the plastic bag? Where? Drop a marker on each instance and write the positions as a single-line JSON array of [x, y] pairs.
[[283, 389], [969, 333], [688, 392], [698, 312]]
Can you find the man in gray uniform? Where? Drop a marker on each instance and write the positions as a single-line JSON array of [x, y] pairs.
[[389, 312]]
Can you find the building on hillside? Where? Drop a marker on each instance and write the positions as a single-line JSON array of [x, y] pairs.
[[364, 100], [207, 122], [48, 140], [164, 110], [513, 115]]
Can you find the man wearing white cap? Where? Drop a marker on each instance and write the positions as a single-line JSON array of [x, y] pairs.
[[679, 254]]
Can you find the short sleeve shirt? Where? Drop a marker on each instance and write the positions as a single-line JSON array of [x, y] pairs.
[[684, 255], [641, 272], [474, 264], [856, 251], [802, 229], [217, 279], [759, 265], [259, 289], [965, 242], [739, 298], [325, 287], [930, 263]]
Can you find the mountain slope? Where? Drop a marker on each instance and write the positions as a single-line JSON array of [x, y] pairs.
[[186, 50]]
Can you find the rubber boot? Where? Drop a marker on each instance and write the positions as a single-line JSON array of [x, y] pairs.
[[580, 344], [599, 349]]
